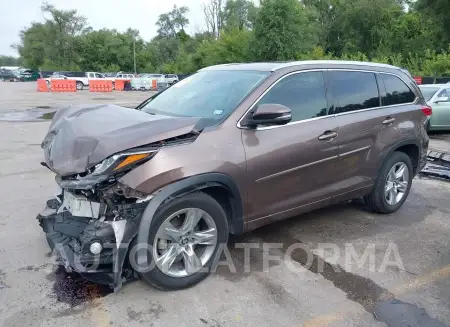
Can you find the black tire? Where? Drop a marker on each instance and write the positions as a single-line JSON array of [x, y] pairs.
[[376, 200], [156, 277], [113, 85], [80, 86]]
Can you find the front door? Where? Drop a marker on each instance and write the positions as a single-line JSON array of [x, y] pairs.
[[291, 166]]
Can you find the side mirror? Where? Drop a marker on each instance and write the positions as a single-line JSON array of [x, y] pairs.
[[441, 99], [270, 114]]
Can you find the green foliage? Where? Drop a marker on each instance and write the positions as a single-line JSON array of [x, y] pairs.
[[238, 31], [171, 23], [10, 61], [239, 14], [283, 29], [438, 11], [317, 53]]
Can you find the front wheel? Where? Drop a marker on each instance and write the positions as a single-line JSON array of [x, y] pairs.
[[392, 185], [187, 238], [80, 86]]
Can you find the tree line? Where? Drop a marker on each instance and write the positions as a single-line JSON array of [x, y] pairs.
[[407, 33]]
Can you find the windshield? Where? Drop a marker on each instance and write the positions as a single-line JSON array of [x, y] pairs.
[[428, 92], [211, 94]]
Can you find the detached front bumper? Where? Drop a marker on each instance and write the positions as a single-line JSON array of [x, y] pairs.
[[71, 237]]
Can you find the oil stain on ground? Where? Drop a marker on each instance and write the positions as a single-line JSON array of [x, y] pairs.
[[371, 296], [2, 283], [73, 289], [396, 313]]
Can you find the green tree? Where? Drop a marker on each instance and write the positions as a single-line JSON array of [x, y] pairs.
[[439, 12], [106, 49], [54, 42], [365, 26], [33, 46], [238, 31], [283, 29], [10, 61], [412, 32], [436, 64], [239, 14], [171, 23]]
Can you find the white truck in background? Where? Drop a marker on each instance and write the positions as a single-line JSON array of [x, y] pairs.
[[82, 80]]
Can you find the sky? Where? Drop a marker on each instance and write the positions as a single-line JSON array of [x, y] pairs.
[[119, 14]]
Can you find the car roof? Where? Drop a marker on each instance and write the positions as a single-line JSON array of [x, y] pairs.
[[273, 66]]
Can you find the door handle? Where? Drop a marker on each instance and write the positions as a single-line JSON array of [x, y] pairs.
[[328, 135], [388, 120]]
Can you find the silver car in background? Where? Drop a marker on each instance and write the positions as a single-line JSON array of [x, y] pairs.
[[145, 82], [438, 97]]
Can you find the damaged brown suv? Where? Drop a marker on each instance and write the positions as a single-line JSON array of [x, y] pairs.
[[155, 192]]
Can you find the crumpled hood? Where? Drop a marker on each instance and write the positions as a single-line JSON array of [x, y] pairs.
[[80, 137]]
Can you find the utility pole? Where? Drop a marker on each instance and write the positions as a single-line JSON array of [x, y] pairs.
[[134, 53]]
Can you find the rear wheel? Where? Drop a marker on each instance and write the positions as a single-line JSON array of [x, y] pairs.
[[80, 86], [187, 237], [392, 185]]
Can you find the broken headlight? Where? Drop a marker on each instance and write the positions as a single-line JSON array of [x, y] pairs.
[[122, 161]]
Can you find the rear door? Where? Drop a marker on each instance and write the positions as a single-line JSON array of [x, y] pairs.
[[291, 166], [356, 105], [440, 119], [374, 111]]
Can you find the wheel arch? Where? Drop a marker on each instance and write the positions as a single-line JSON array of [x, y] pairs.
[[410, 147], [220, 186]]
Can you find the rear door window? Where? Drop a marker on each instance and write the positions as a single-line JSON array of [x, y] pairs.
[[303, 93], [397, 92], [353, 91]]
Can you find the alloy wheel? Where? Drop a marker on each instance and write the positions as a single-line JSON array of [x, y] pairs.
[[396, 183], [185, 242]]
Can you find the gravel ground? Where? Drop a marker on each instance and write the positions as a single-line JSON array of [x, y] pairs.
[[335, 290]]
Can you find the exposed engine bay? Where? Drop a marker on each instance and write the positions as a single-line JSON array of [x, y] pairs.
[[91, 230]]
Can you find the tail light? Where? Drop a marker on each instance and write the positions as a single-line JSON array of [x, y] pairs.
[[427, 110]]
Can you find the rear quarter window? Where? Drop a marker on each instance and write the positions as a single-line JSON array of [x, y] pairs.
[[397, 92]]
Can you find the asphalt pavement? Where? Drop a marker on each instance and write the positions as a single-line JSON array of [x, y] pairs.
[[349, 267]]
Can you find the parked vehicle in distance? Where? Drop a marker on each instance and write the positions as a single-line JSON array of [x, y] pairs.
[[7, 75], [28, 75], [171, 79], [82, 79], [224, 151], [144, 81], [125, 76], [438, 97], [120, 76]]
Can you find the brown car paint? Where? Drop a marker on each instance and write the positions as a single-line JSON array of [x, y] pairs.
[[285, 170]]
